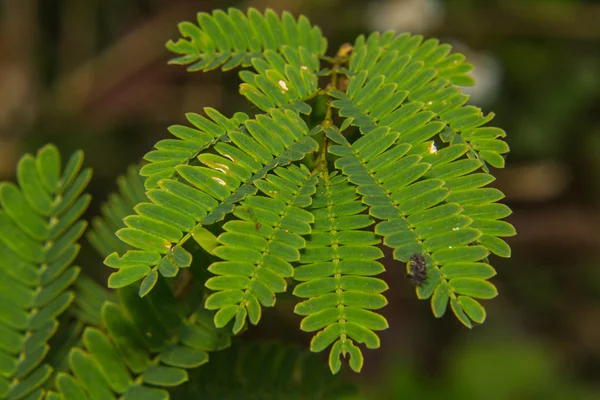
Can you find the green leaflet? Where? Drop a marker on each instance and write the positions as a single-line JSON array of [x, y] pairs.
[[203, 195], [258, 249], [421, 215], [336, 276], [39, 229], [233, 39]]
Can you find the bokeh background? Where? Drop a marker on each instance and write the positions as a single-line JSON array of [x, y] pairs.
[[93, 75]]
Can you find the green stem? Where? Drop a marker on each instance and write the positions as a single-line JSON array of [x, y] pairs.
[[340, 59]]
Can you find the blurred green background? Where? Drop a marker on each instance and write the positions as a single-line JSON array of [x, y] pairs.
[[93, 75]]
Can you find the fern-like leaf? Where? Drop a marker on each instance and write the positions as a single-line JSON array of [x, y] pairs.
[[422, 201], [400, 57], [232, 39], [408, 86], [186, 196], [421, 214], [336, 275], [144, 347], [401, 97], [259, 247], [39, 228], [203, 195]]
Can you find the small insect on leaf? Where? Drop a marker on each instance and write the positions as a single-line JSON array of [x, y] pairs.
[[417, 266]]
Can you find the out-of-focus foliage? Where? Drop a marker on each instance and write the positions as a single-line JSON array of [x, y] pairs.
[[491, 369], [39, 228]]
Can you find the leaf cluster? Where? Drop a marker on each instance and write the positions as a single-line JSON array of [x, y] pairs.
[[408, 159], [231, 212]]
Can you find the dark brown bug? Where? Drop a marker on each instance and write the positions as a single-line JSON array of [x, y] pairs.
[[418, 269]]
